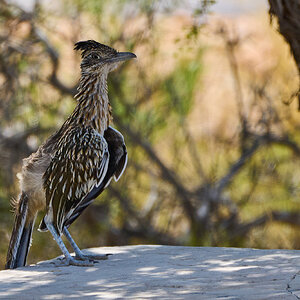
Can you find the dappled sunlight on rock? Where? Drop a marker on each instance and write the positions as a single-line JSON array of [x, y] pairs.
[[162, 272]]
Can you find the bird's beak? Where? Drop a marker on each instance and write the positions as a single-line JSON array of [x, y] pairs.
[[121, 56]]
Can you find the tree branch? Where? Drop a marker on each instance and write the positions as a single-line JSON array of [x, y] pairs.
[[291, 218], [260, 140], [236, 167], [167, 174], [54, 58]]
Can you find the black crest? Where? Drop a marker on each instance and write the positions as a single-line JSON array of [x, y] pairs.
[[90, 45]]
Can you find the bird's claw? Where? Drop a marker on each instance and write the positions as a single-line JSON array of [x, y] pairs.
[[92, 257], [81, 263], [62, 262]]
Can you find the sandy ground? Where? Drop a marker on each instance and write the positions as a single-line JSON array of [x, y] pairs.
[[162, 272]]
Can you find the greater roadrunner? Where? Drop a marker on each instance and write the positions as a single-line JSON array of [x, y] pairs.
[[75, 164]]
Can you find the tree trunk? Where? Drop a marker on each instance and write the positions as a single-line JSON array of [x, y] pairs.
[[288, 15]]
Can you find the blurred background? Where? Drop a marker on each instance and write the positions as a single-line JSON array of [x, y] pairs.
[[208, 112]]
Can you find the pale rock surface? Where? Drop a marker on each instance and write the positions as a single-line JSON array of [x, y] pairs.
[[162, 272]]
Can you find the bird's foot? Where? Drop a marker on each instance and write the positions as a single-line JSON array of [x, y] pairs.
[[71, 261], [81, 263], [91, 257]]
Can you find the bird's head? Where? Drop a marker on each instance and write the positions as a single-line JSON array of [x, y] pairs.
[[98, 58]]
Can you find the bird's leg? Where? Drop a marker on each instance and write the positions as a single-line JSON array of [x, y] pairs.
[[69, 260], [78, 252]]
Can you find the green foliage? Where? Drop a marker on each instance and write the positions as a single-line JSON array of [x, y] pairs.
[[179, 87]]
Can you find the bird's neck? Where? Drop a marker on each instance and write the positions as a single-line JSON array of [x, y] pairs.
[[93, 108]]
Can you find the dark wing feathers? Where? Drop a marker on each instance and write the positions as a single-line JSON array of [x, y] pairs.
[[116, 166], [117, 148], [79, 165], [121, 165]]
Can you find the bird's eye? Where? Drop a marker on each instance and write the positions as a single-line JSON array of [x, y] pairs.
[[95, 56]]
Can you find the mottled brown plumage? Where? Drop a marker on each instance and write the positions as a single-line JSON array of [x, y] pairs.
[[75, 164]]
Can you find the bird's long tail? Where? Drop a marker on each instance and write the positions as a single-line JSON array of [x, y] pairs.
[[21, 235]]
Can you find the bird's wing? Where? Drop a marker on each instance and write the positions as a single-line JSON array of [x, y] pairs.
[[79, 165], [116, 145], [117, 164]]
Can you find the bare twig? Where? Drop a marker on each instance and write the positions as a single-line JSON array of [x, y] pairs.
[[230, 46]]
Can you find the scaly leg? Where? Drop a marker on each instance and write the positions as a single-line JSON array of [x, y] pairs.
[[69, 260], [78, 252]]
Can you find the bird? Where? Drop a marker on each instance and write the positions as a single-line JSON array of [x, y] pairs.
[[74, 165]]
